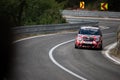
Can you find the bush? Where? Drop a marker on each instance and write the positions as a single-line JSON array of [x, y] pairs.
[[30, 12]]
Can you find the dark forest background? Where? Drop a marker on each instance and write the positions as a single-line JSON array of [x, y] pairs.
[[34, 12]]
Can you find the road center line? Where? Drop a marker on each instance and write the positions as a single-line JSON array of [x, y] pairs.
[[59, 65]]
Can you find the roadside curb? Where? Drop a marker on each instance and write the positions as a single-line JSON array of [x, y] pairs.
[[106, 53]]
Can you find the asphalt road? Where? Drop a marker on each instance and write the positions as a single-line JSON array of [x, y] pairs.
[[31, 59]]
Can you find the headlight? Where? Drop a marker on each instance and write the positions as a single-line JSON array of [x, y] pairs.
[[97, 39], [79, 38]]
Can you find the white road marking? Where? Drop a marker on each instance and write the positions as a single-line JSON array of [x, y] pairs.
[[106, 53], [59, 65], [32, 37]]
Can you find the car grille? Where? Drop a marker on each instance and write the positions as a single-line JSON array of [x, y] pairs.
[[88, 38], [87, 45]]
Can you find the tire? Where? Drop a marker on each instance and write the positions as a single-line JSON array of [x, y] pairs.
[[76, 47], [101, 47]]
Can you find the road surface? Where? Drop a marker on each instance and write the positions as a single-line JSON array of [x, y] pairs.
[[31, 60]]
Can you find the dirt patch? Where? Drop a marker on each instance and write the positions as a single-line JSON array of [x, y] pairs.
[[115, 52]]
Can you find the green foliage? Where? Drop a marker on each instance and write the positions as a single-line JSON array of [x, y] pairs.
[[51, 16], [30, 12], [43, 12]]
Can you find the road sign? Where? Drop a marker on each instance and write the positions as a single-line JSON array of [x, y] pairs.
[[104, 6], [82, 5]]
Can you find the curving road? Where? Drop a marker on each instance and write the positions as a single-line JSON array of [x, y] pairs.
[[31, 60]]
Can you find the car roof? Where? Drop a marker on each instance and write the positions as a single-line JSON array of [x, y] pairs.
[[89, 27]]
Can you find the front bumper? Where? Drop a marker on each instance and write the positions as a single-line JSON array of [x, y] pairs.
[[88, 44]]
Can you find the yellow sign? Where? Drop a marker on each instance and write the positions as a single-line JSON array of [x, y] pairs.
[[82, 5], [104, 6]]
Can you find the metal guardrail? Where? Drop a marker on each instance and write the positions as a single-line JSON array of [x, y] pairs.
[[73, 16], [39, 29], [36, 29], [104, 14]]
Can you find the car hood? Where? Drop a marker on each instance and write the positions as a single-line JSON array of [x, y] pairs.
[[91, 36]]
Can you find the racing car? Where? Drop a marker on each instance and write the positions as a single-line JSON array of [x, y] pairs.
[[89, 37]]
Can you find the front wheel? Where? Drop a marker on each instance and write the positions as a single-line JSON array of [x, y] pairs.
[[101, 47], [76, 47]]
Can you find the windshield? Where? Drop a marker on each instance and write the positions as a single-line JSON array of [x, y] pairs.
[[90, 31]]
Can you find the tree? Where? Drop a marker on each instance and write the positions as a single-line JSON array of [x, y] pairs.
[[23, 12], [39, 12], [28, 12]]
